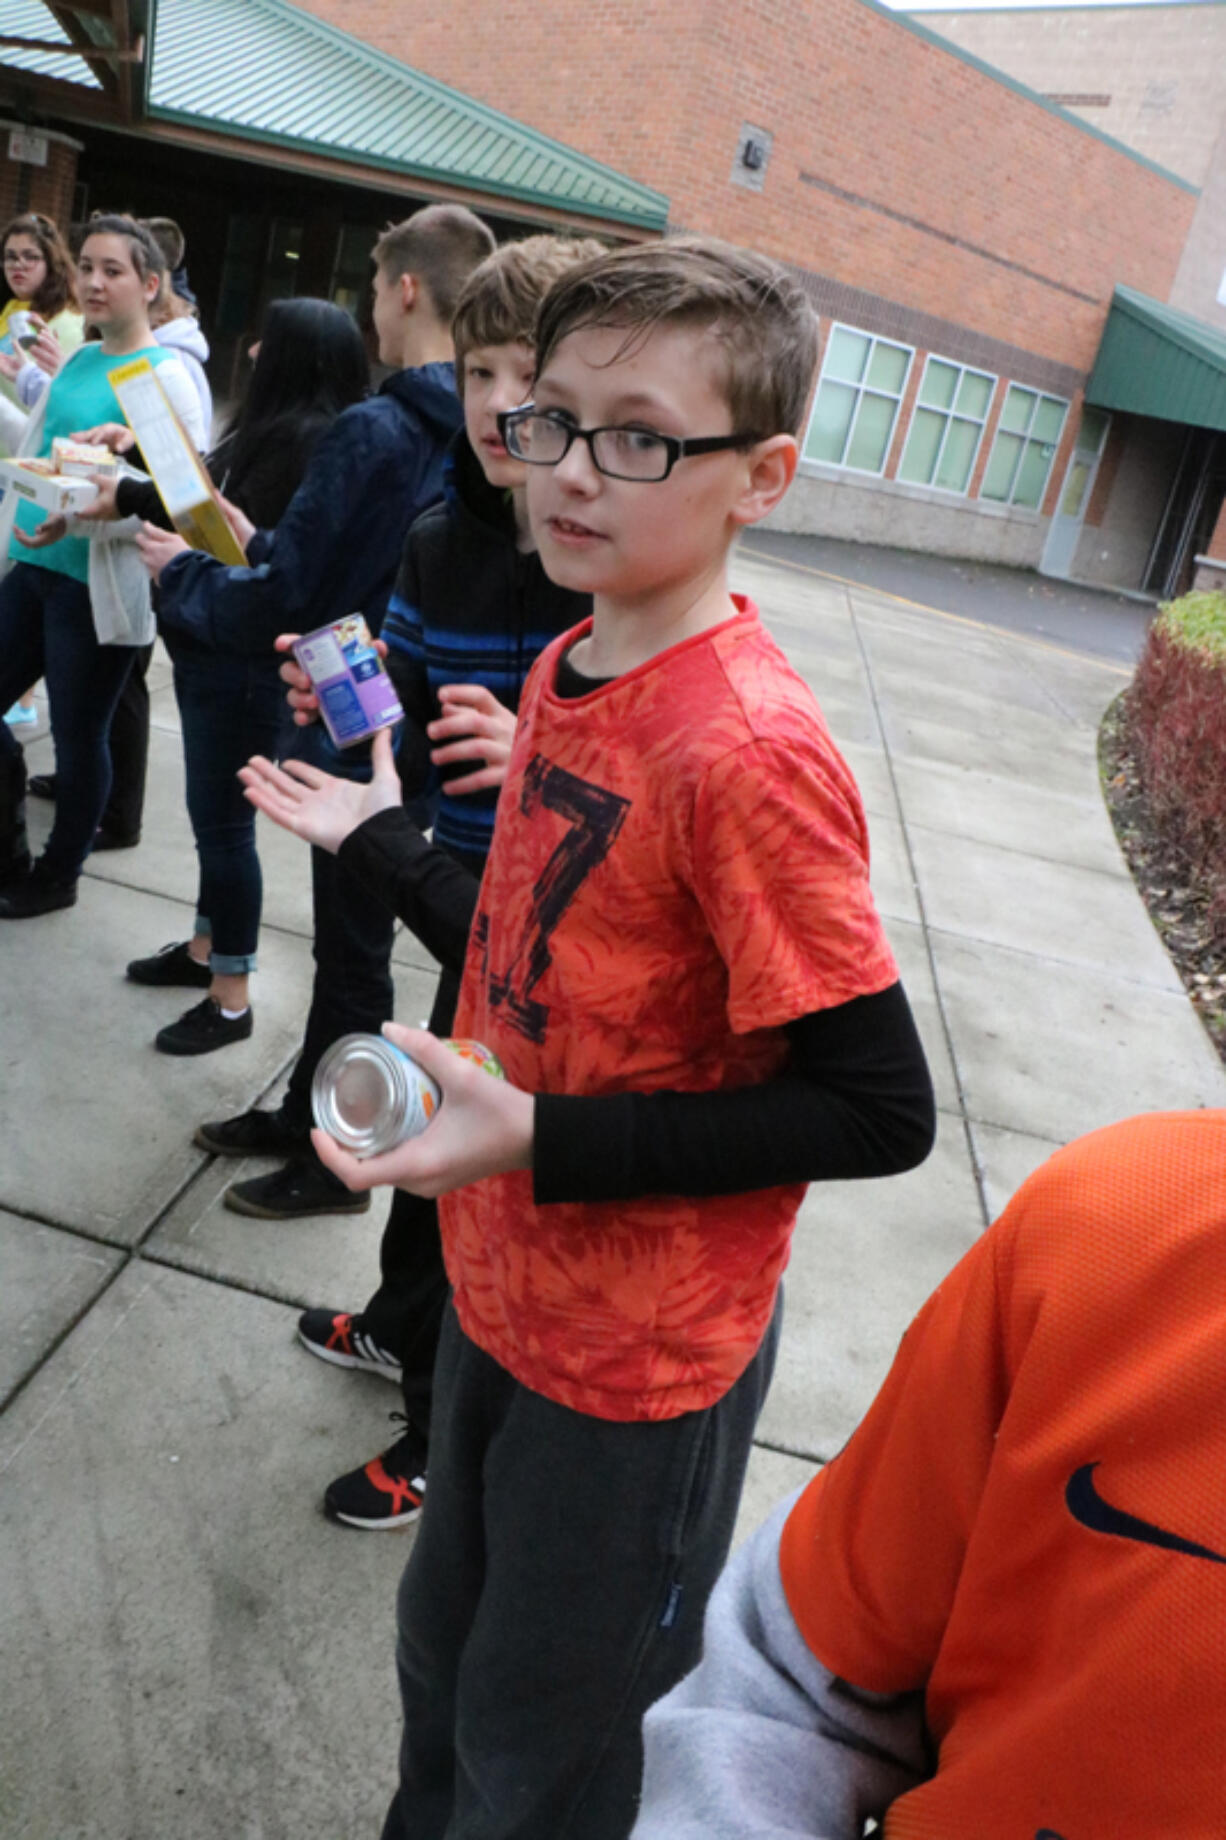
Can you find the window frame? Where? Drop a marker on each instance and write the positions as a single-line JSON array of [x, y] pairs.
[[1009, 502], [951, 415], [862, 389]]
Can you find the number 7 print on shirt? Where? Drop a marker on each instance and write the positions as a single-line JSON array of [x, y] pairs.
[[594, 817]]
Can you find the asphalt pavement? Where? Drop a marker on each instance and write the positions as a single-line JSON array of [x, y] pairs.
[[1095, 621]]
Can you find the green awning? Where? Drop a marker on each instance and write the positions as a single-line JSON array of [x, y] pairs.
[[1155, 360], [264, 72]]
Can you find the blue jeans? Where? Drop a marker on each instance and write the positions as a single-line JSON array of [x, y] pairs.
[[232, 708], [47, 630]]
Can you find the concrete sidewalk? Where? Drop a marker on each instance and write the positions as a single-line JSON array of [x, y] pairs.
[[189, 1647]]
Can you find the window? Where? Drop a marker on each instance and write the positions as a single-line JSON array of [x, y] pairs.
[[351, 270], [857, 400], [946, 426], [1024, 448]]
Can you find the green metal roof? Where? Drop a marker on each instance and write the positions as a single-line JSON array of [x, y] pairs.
[[263, 71], [31, 19], [1155, 360]]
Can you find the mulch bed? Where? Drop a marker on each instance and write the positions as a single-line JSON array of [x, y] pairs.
[[1176, 898]]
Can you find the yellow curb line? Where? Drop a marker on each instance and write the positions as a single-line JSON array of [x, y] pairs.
[[958, 619]]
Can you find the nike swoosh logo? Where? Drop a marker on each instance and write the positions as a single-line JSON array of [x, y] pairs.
[[1086, 1505]]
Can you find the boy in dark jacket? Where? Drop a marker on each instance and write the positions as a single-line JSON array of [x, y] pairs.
[[472, 602], [335, 552]]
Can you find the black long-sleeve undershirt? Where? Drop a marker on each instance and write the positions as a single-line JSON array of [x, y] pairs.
[[854, 1098]]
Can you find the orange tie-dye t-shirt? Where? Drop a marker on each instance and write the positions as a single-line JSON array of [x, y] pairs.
[[679, 868]]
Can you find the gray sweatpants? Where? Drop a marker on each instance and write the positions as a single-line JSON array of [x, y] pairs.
[[555, 1591]]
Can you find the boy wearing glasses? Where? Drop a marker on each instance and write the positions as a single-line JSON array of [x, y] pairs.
[[675, 955]]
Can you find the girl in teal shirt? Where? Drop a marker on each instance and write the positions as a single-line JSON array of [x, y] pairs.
[[51, 598]]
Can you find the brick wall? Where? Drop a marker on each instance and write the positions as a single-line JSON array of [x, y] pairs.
[[48, 188], [1152, 76], [897, 168]]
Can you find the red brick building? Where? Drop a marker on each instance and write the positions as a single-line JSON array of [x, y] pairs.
[[960, 236]]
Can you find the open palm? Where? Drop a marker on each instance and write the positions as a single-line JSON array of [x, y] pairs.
[[317, 806]]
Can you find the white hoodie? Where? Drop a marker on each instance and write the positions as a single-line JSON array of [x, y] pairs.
[[187, 341]]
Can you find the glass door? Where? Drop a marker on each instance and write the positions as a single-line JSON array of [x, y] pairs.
[[1065, 527]]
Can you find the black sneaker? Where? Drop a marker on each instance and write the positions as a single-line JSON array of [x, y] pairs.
[[202, 1029], [36, 893], [41, 785], [302, 1187], [107, 839], [386, 1492], [174, 964], [336, 1336], [254, 1133]]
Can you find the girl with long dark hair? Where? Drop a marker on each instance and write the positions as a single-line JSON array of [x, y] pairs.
[[311, 365]]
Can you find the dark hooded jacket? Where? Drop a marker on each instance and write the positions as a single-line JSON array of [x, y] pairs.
[[337, 548], [469, 607]]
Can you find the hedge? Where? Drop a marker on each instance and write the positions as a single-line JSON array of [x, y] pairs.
[[1175, 723]]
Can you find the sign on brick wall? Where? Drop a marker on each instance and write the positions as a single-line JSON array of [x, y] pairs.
[[28, 147]]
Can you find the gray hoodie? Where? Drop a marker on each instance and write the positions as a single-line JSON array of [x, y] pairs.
[[761, 1742]]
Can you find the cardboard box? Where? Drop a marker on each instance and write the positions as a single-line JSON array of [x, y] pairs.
[[81, 460], [53, 493], [189, 495]]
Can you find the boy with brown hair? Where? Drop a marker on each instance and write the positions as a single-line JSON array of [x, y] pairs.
[[471, 600], [676, 957]]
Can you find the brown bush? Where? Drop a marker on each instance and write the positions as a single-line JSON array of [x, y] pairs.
[[1175, 719]]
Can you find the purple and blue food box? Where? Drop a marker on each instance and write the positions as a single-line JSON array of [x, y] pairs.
[[356, 696]]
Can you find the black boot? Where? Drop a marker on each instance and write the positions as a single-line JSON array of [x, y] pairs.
[[36, 893], [14, 843]]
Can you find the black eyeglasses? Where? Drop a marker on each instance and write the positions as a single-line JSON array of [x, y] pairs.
[[543, 437]]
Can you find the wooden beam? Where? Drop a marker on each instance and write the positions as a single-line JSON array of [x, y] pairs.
[[95, 54], [54, 96], [84, 46], [121, 25]]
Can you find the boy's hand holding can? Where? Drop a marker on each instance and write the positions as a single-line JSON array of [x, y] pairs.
[[484, 1127]]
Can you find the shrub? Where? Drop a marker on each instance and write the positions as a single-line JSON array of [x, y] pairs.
[[1175, 721]]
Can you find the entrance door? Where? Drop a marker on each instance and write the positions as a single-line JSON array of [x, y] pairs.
[[1065, 528], [1191, 513]]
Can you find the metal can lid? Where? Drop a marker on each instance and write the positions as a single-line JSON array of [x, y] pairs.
[[359, 1093]]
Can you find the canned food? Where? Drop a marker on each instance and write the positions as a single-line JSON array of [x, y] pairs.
[[370, 1095], [22, 329], [356, 695]]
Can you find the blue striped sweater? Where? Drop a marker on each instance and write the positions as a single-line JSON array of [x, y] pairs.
[[468, 607]]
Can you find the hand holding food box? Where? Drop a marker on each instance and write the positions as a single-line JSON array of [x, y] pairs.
[[356, 695]]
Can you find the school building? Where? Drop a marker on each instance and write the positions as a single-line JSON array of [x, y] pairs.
[[1006, 373]]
